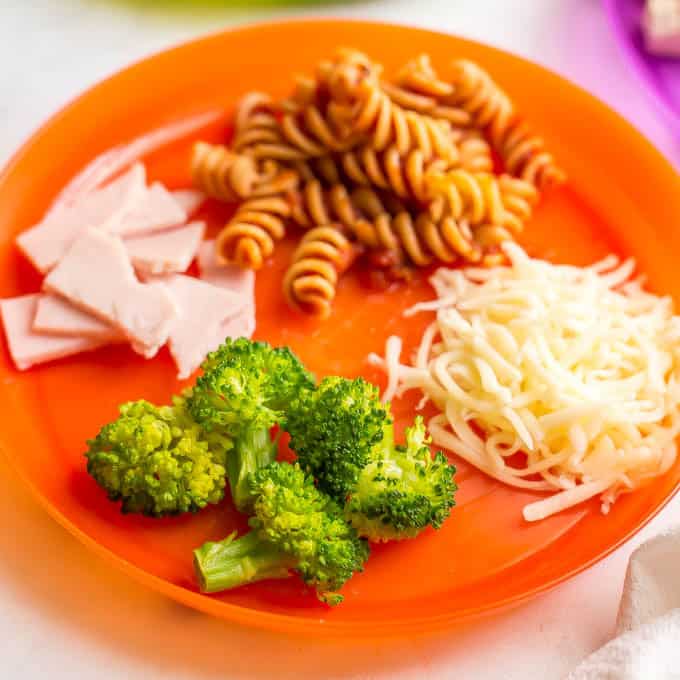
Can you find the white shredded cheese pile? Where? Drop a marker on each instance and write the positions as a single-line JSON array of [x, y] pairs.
[[578, 368]]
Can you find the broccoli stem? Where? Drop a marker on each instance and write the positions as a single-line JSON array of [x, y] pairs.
[[235, 562], [253, 449]]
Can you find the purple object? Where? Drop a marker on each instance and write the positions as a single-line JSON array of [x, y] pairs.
[[659, 75]]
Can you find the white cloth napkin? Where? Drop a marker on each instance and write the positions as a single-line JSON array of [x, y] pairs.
[[647, 642]]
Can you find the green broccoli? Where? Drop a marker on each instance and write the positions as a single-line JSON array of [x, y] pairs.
[[344, 437], [295, 527], [158, 461], [245, 389], [335, 431], [398, 495]]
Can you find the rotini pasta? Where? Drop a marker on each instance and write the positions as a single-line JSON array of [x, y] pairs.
[[230, 176], [389, 226], [470, 218], [411, 169], [405, 176], [417, 87], [311, 280], [315, 206], [522, 152], [482, 198], [306, 122], [376, 222], [257, 131], [363, 108], [474, 150], [221, 173], [250, 236]]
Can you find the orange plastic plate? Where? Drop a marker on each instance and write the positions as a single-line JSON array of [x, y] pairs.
[[622, 196]]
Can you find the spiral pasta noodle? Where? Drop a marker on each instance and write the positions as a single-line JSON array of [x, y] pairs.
[[315, 206], [310, 282], [470, 202], [250, 236], [257, 131], [389, 226], [470, 218], [522, 152], [417, 87], [230, 176], [482, 198], [376, 222], [409, 168], [474, 151], [363, 108], [221, 173], [404, 175], [306, 122], [393, 228]]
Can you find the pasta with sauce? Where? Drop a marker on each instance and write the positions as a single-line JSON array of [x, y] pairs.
[[430, 164]]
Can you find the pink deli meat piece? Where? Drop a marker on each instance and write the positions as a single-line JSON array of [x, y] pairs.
[[240, 326], [167, 252], [240, 281], [203, 308], [157, 210], [230, 276], [191, 200], [29, 348], [57, 316], [45, 243], [96, 275]]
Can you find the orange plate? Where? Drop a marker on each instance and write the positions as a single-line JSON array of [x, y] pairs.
[[622, 197]]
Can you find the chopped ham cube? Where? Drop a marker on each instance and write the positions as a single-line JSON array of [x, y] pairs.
[[203, 309], [166, 252], [156, 211], [191, 200], [57, 316], [96, 275], [231, 276], [45, 244], [28, 348]]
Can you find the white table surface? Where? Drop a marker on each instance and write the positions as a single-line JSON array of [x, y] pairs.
[[63, 612]]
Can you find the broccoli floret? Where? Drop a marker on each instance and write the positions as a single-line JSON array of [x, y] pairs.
[[344, 436], [245, 389], [401, 493], [295, 527], [158, 460], [335, 429]]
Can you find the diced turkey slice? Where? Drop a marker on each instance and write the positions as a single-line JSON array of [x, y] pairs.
[[96, 275], [190, 199], [230, 276], [111, 162], [241, 326], [28, 348], [57, 316], [157, 211], [166, 252], [203, 308], [45, 243]]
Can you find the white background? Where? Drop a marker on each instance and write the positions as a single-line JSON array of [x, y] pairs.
[[63, 612]]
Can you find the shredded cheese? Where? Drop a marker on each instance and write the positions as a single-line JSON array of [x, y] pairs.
[[579, 368]]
